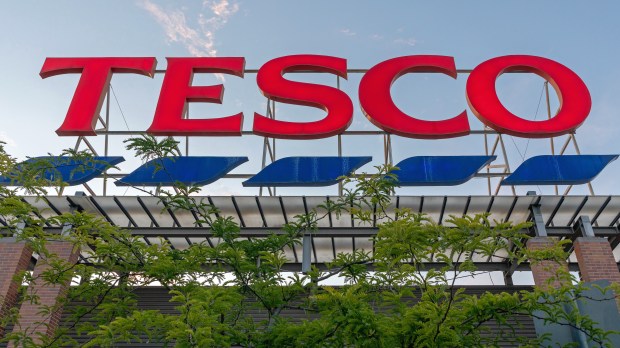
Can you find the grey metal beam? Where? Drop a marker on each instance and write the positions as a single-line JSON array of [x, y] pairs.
[[555, 211], [584, 226], [583, 202], [321, 232], [539, 222], [481, 266], [306, 255], [600, 210]]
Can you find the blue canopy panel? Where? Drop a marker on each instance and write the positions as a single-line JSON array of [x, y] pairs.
[[439, 170], [306, 171], [187, 170], [559, 170], [72, 171]]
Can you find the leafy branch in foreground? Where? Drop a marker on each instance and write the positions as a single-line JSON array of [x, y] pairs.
[[399, 289]]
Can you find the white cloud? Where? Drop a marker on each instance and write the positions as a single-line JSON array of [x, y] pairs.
[[222, 11], [406, 41], [376, 37], [347, 32], [200, 40]]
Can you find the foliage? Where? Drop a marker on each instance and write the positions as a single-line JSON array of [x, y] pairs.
[[391, 297]]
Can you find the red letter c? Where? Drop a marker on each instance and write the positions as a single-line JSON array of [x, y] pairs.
[[379, 108]]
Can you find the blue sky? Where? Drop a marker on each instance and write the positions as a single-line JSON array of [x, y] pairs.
[[580, 35]]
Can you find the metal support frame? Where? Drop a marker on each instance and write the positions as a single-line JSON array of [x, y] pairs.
[[323, 232], [105, 129], [269, 148], [549, 116], [572, 138], [66, 228], [504, 167], [584, 227], [540, 230], [306, 255]]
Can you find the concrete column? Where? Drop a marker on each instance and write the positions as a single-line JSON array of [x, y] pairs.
[[31, 319], [545, 270], [14, 258]]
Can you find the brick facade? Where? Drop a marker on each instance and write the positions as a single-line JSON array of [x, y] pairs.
[[30, 317], [596, 259], [14, 258], [542, 271]]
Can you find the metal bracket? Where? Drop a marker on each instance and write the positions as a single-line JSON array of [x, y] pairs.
[[584, 227], [306, 256], [539, 222]]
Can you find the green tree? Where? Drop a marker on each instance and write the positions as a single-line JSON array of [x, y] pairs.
[[390, 298]]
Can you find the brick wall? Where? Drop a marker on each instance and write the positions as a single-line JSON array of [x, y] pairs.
[[546, 269], [596, 259], [14, 258], [31, 319]]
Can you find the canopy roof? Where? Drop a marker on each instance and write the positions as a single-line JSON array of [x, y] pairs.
[[260, 215]]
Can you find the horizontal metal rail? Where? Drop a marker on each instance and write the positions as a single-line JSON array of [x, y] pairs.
[[359, 71], [424, 266], [322, 232], [351, 132], [247, 176]]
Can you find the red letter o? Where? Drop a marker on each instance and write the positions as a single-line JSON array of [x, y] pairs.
[[574, 97]]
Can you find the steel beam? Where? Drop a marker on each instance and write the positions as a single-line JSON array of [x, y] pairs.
[[584, 226], [607, 232], [306, 255], [539, 223]]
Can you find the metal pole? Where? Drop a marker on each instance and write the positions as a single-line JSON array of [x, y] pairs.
[[340, 189], [265, 148], [390, 158], [106, 139], [187, 137], [273, 140], [549, 117], [590, 188], [385, 150], [486, 151], [539, 222], [306, 260], [506, 166], [565, 144]]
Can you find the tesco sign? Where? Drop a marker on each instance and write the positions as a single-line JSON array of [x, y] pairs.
[[374, 96]]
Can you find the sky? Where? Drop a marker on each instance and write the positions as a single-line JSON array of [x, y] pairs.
[[581, 35]]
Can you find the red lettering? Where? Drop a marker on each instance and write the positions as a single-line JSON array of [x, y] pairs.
[[177, 91], [575, 102], [374, 95], [89, 94], [379, 108], [273, 86]]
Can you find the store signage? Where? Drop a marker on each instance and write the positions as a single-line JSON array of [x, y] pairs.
[[374, 96]]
